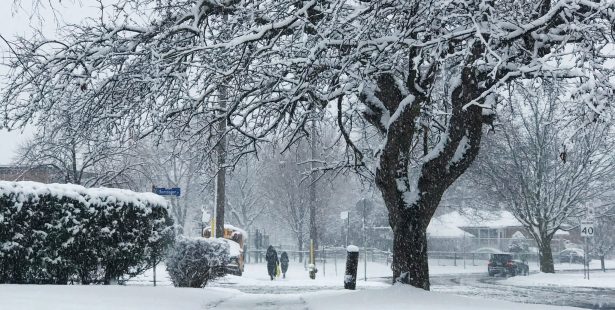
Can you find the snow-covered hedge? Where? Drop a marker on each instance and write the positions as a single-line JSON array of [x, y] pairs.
[[194, 261], [56, 233]]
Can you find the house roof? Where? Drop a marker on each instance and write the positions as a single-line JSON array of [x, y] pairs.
[[441, 229], [469, 218]]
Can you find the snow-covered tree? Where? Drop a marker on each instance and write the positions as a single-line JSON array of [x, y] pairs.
[[245, 194], [603, 243], [85, 158], [287, 193], [543, 168], [421, 75]]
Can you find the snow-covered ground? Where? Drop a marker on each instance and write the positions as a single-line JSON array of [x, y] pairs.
[[254, 290], [99, 297], [48, 297], [596, 279]]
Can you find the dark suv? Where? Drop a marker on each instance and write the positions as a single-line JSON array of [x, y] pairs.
[[504, 264]]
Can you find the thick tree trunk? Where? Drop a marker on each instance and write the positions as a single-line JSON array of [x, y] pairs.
[[410, 263], [546, 256]]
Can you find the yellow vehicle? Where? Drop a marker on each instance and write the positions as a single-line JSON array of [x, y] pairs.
[[235, 238]]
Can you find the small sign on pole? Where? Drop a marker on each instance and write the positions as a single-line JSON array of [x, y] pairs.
[[173, 191], [587, 228], [344, 215]]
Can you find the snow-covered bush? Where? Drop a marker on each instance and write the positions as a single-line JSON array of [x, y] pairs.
[[518, 243], [194, 261], [55, 233]]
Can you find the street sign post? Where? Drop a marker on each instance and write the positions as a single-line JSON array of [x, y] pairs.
[[587, 231], [173, 191]]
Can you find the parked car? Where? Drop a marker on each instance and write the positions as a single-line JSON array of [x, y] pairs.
[[503, 264], [573, 256]]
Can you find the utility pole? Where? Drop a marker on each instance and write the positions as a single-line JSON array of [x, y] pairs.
[[313, 230], [364, 242], [221, 176]]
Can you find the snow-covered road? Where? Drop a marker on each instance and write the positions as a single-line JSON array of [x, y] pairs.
[[480, 285]]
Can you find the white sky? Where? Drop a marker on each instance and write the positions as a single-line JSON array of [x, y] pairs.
[[18, 21]]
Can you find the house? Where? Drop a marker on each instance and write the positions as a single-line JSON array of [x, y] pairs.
[[472, 230]]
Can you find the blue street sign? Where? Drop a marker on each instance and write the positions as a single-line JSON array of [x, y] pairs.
[[174, 191]]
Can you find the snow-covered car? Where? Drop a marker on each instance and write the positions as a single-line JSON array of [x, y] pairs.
[[503, 264], [572, 255]]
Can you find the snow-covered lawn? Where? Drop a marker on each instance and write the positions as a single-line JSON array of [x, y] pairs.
[[98, 297], [331, 278], [298, 276], [597, 279], [594, 265]]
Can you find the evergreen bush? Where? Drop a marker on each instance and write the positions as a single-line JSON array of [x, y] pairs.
[[59, 233]]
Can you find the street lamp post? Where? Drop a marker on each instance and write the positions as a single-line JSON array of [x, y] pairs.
[[364, 243], [345, 215]]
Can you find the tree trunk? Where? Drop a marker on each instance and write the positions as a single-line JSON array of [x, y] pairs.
[[602, 263], [546, 256], [410, 261], [300, 247], [409, 222]]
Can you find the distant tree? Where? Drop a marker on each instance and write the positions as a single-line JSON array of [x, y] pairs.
[[245, 193], [84, 158], [543, 168], [287, 192], [603, 243]]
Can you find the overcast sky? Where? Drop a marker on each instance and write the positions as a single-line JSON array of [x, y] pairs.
[[19, 21]]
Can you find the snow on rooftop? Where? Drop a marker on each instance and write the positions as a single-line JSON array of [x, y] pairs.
[[441, 229], [472, 218]]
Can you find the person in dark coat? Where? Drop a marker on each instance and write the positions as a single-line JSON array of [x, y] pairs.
[[272, 261], [284, 263]]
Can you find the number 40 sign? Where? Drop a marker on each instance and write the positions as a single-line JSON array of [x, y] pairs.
[[587, 228]]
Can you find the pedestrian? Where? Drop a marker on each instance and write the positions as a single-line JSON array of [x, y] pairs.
[[284, 263], [272, 261]]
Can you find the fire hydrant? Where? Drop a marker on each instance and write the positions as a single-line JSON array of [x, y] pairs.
[[312, 269]]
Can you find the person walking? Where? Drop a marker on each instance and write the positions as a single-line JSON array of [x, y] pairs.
[[284, 263], [272, 261]]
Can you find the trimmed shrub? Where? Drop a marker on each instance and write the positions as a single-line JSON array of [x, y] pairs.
[[57, 233], [192, 262]]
